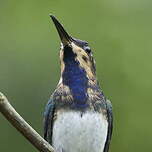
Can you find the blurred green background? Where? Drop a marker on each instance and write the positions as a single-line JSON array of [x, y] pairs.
[[120, 34]]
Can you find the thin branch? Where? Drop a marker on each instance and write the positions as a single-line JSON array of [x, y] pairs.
[[22, 126]]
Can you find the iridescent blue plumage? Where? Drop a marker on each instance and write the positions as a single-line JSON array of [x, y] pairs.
[[75, 78], [78, 117]]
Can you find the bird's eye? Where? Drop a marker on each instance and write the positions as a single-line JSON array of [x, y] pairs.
[[87, 49]]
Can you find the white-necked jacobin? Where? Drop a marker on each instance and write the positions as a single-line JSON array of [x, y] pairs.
[[78, 117]]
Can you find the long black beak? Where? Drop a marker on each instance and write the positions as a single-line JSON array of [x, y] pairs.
[[64, 36]]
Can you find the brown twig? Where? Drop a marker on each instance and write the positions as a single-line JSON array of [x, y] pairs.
[[22, 126]]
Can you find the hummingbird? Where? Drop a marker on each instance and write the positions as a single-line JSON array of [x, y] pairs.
[[78, 117]]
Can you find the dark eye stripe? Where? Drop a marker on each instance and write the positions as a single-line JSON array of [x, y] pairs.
[[85, 58], [87, 49]]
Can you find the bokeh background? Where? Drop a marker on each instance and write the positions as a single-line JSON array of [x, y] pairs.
[[120, 34]]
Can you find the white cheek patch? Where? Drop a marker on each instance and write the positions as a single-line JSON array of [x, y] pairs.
[[61, 46], [76, 48], [87, 66]]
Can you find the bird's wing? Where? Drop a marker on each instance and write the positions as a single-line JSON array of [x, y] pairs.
[[48, 120], [110, 124]]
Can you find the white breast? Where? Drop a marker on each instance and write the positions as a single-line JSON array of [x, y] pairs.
[[75, 133]]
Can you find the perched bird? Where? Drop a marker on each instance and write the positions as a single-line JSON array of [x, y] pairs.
[[78, 117]]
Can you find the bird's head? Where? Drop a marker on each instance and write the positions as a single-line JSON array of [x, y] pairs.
[[75, 50]]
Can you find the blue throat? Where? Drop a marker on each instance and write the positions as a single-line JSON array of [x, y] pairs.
[[75, 78]]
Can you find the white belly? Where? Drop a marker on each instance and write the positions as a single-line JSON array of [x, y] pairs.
[[73, 133]]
